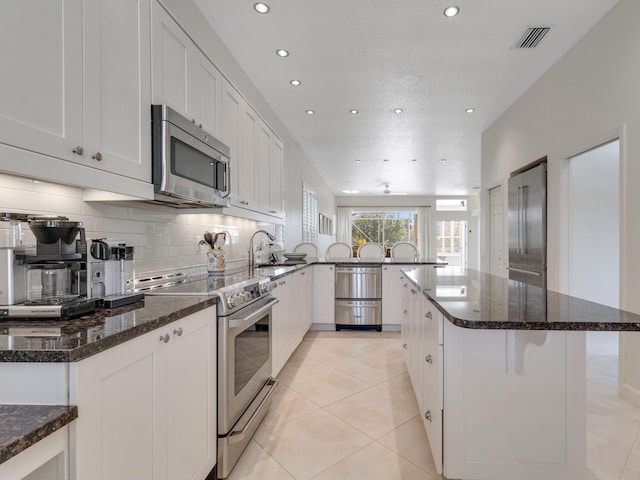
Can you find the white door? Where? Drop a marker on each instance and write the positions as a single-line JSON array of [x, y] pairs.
[[495, 232], [41, 64]]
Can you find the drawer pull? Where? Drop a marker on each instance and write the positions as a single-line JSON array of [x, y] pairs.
[[427, 415], [178, 332], [406, 312], [428, 359], [165, 338], [404, 346], [404, 286], [413, 292], [428, 314]]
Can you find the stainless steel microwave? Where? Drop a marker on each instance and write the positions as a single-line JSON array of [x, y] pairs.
[[190, 166]]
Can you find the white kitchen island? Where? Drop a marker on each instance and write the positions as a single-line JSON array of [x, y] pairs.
[[499, 372]]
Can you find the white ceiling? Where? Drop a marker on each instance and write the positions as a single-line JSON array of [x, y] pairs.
[[377, 55]]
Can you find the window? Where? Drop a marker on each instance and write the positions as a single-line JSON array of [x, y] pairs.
[[385, 228], [451, 241], [451, 205], [309, 215]]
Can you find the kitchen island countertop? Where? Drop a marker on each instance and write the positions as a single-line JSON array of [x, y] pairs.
[[478, 300]]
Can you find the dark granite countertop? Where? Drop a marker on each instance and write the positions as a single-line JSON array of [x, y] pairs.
[[21, 426], [472, 299], [76, 339]]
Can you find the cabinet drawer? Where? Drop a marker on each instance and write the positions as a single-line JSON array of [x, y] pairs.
[[432, 418], [433, 322], [433, 374]]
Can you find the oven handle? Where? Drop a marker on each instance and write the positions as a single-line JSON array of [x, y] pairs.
[[239, 435], [250, 319]]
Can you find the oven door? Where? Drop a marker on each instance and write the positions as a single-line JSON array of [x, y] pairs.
[[244, 360]]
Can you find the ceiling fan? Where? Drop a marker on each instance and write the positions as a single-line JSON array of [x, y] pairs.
[[387, 191]]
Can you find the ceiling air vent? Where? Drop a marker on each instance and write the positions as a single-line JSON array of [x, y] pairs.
[[531, 37]]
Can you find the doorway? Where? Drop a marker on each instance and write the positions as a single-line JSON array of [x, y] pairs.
[[594, 234], [495, 232], [452, 242]]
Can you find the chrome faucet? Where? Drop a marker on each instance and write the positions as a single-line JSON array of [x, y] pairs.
[[251, 252]]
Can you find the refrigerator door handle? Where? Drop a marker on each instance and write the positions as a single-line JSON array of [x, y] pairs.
[[525, 239], [519, 247]]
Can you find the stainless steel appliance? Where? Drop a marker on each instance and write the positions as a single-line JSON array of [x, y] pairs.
[[112, 268], [190, 166], [245, 385], [358, 297], [528, 224], [49, 280]]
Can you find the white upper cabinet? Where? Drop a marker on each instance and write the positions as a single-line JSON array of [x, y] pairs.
[[117, 87], [183, 78], [247, 162], [41, 64], [230, 135], [76, 83], [276, 199]]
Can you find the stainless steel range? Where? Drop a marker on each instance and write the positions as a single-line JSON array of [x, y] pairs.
[[245, 385]]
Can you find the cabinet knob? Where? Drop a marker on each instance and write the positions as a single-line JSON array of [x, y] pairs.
[[413, 292], [302, 273], [165, 338], [405, 285], [406, 312], [428, 314], [178, 332], [427, 415], [78, 150], [193, 120], [404, 346], [97, 156], [428, 359]]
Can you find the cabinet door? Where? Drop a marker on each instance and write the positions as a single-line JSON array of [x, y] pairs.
[[324, 287], [191, 396], [263, 165], [232, 111], [41, 64], [170, 63], [276, 203], [392, 295], [281, 326], [205, 92], [302, 313], [248, 153], [117, 87], [116, 394]]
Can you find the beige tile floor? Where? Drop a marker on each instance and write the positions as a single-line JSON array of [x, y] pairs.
[[345, 409]]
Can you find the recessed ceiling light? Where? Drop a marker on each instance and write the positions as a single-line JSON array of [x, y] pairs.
[[282, 53], [357, 161], [310, 112], [414, 160], [470, 110], [385, 160], [354, 111], [451, 11], [350, 191], [397, 110], [261, 7], [443, 160], [295, 83]]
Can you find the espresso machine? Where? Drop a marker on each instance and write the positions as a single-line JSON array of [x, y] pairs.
[[48, 279]]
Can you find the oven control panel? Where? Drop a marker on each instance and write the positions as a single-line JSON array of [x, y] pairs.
[[242, 294]]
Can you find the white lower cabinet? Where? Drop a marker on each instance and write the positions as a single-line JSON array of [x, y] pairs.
[[147, 408], [324, 289], [393, 301], [291, 316]]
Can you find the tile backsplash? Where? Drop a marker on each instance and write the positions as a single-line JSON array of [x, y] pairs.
[[164, 237]]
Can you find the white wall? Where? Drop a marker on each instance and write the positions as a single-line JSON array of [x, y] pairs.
[[588, 97], [591, 95], [297, 167]]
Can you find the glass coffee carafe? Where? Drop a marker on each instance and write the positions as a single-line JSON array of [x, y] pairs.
[[51, 283]]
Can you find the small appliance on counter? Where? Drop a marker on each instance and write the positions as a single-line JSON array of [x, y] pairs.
[[113, 272], [50, 279]]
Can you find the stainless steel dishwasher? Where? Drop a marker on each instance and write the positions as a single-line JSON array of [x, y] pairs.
[[358, 296]]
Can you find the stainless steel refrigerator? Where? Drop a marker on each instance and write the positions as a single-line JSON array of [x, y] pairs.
[[528, 226]]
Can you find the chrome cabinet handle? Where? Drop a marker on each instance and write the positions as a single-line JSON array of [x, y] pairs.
[[78, 150], [165, 338], [406, 312], [404, 346], [178, 332], [97, 156], [404, 286], [428, 314], [244, 202], [427, 415], [428, 359]]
